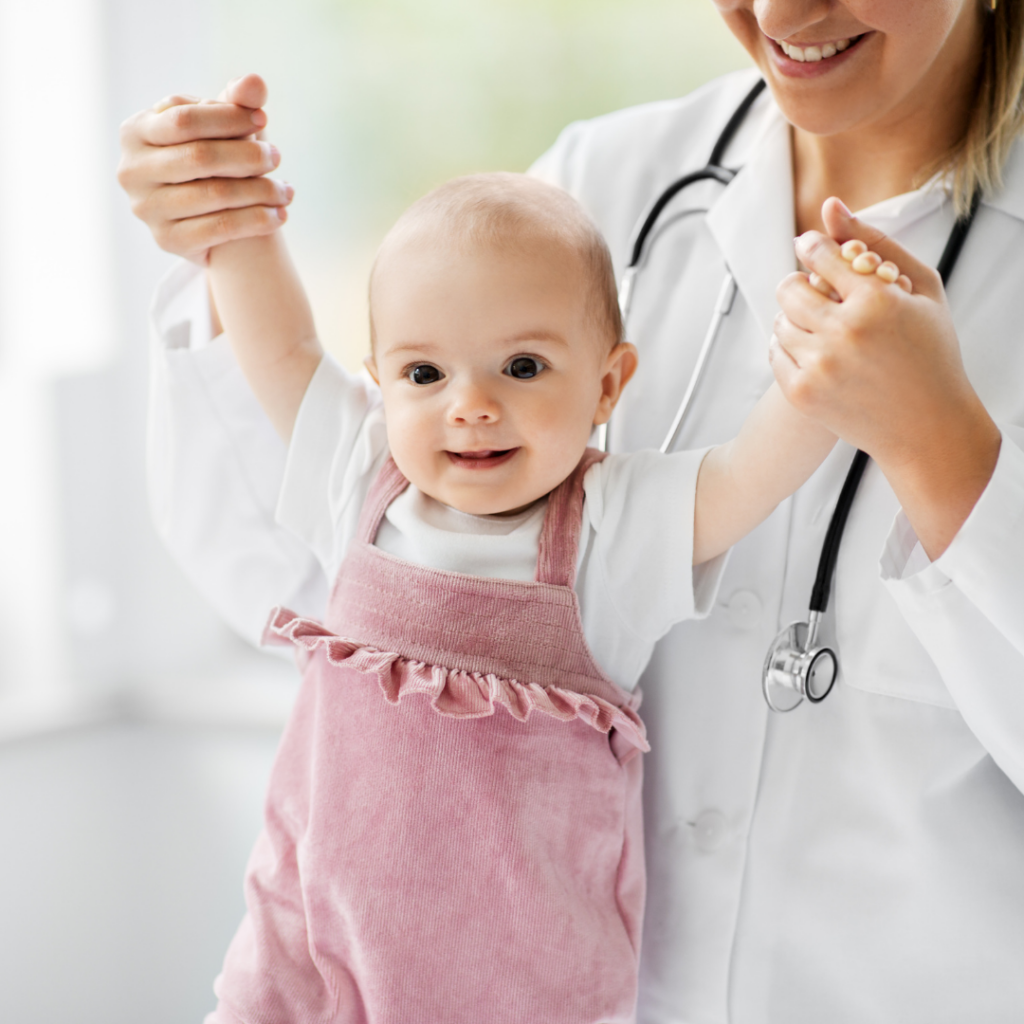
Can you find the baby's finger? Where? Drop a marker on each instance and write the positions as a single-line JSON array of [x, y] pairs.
[[208, 195], [888, 272], [198, 234], [209, 158], [864, 261], [843, 226], [192, 121], [822, 256]]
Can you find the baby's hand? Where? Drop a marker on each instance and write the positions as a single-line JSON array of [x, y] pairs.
[[863, 261]]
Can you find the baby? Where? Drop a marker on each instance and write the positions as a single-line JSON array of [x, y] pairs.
[[453, 826]]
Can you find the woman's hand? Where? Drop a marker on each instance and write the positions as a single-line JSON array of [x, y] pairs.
[[882, 369], [193, 170]]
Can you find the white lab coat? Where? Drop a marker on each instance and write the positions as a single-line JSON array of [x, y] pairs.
[[862, 860]]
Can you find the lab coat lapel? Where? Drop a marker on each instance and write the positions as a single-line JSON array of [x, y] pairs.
[[753, 224]]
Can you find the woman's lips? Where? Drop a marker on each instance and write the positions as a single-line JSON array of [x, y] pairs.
[[482, 459], [813, 60]]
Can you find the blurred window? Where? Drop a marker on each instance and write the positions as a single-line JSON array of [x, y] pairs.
[[372, 103]]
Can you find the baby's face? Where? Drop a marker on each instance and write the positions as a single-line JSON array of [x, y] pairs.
[[491, 372]]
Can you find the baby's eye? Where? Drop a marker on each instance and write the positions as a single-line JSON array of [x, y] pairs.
[[524, 367], [424, 373]]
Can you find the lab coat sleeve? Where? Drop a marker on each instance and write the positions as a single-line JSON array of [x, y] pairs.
[[967, 607], [215, 466]]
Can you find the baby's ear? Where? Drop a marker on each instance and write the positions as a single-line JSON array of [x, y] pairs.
[[371, 367], [620, 367]]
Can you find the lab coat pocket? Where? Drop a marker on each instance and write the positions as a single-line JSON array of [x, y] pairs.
[[879, 653]]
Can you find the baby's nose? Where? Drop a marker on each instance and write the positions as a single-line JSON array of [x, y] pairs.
[[473, 404]]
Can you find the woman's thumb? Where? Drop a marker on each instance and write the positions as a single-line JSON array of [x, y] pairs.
[[248, 91]]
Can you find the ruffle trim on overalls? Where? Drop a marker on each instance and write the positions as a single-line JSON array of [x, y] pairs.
[[453, 692]]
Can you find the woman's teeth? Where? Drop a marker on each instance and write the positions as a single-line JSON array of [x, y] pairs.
[[812, 54]]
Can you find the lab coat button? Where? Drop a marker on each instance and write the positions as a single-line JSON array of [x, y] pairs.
[[709, 830], [744, 609]]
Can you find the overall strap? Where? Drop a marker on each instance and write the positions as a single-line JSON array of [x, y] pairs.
[[389, 485], [560, 535]]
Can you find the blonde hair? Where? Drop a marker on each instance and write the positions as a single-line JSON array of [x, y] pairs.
[[997, 113], [513, 213]]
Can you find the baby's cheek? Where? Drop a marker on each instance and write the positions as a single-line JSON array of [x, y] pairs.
[[563, 429], [409, 442]]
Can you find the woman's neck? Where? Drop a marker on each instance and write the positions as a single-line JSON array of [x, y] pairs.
[[869, 163]]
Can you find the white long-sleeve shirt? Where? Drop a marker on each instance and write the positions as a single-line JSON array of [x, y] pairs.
[[635, 578], [859, 860]]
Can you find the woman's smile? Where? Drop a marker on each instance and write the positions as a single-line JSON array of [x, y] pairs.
[[808, 60]]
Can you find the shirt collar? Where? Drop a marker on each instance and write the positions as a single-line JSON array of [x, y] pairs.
[[753, 219]]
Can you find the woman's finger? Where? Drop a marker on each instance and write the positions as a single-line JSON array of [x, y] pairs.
[[783, 365], [207, 195], [189, 122], [179, 99], [199, 234], [822, 256], [819, 284], [804, 305], [207, 158], [804, 347], [843, 226], [246, 91]]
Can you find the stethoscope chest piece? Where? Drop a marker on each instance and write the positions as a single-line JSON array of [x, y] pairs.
[[795, 668]]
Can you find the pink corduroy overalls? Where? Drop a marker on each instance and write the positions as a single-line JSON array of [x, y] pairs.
[[453, 826]]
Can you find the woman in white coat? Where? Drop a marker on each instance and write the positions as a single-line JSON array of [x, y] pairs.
[[856, 860]]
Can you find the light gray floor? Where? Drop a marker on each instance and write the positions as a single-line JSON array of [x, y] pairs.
[[122, 850]]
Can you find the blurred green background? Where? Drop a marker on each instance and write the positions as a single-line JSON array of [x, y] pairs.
[[373, 102]]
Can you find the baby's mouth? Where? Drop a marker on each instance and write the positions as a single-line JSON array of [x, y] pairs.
[[484, 458], [814, 54]]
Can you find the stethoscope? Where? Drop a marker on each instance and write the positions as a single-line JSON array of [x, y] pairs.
[[796, 666]]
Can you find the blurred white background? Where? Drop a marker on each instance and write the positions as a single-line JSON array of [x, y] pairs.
[[136, 732]]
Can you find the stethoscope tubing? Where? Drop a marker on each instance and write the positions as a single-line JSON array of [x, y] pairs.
[[726, 297], [714, 170]]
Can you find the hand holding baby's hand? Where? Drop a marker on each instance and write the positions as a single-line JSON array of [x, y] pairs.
[[876, 359], [194, 170]]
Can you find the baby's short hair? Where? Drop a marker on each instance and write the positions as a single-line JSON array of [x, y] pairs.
[[508, 211]]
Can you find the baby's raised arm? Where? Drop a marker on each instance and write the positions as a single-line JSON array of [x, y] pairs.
[[742, 481], [195, 173], [776, 450], [263, 308]]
